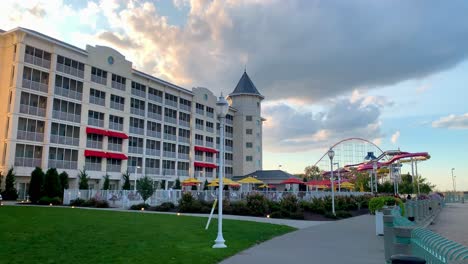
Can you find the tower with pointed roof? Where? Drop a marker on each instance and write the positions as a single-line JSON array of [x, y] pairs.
[[247, 100]]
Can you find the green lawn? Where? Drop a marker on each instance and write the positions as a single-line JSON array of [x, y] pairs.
[[66, 235]]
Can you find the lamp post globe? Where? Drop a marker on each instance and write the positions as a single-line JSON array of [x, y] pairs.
[[331, 154], [222, 108]]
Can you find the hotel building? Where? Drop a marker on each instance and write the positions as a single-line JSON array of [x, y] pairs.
[[72, 109]]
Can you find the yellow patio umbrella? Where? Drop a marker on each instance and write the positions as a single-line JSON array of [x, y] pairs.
[[264, 186], [213, 184], [250, 179], [191, 180], [347, 185], [226, 181]]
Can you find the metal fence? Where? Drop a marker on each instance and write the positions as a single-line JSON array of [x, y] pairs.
[[451, 197], [436, 249]]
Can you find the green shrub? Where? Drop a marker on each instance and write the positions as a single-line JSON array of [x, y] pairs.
[[52, 187], [276, 214], [102, 204], [289, 203], [240, 208], [10, 192], [377, 203], [273, 206], [330, 215], [165, 207], [77, 202], [187, 204], [35, 184], [139, 206], [45, 200], [257, 204], [343, 214], [90, 203]]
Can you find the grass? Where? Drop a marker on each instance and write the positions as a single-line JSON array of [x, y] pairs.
[[66, 235]]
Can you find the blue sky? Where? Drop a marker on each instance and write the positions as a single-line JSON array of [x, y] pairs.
[[335, 69]]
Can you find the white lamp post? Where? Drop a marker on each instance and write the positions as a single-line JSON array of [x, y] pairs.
[[374, 167], [331, 154], [222, 107], [453, 180], [339, 176], [136, 170]]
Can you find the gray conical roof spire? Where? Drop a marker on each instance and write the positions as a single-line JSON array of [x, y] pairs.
[[245, 86]]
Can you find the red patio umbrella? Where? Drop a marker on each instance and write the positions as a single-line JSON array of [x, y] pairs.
[[292, 181]]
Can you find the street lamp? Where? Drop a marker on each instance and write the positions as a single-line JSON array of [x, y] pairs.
[[222, 107], [374, 168], [453, 180], [370, 157], [136, 168], [339, 176], [331, 154]]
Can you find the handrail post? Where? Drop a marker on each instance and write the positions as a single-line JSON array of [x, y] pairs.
[[402, 242], [388, 233]]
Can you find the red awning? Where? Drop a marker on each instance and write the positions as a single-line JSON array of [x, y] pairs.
[[94, 153], [96, 131], [205, 149], [204, 165], [118, 156], [292, 181], [116, 134]]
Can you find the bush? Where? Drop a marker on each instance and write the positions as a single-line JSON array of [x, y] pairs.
[[139, 206], [52, 187], [77, 202], [257, 204], [45, 200], [330, 215], [165, 207], [35, 184], [102, 204], [377, 203], [289, 203], [10, 192], [187, 204], [90, 203], [343, 214], [240, 208]]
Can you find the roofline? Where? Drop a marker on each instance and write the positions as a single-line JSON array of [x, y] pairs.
[[146, 75], [234, 94]]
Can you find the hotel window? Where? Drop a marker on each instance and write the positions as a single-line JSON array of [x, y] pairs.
[[70, 66], [248, 144], [138, 89], [95, 118], [200, 109], [28, 155], [98, 76], [155, 95], [97, 97], [35, 80], [68, 87], [93, 163], [117, 102], [37, 57], [115, 122], [118, 82], [199, 124], [171, 99], [248, 158], [248, 131], [248, 118], [63, 158], [94, 141], [33, 104], [30, 129]]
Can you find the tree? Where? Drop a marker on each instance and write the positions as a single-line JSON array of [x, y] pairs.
[[10, 192], [361, 182], [312, 172], [145, 187], [177, 184], [163, 184], [106, 184], [36, 184], [126, 179], [63, 181], [205, 185], [1, 180], [52, 187], [83, 178]]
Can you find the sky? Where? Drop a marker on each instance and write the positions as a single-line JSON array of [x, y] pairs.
[[392, 72]]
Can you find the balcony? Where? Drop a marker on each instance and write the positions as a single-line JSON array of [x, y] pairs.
[[97, 101], [31, 136], [199, 142], [152, 171], [115, 126], [171, 103], [69, 93], [70, 70], [227, 162], [138, 93], [137, 130], [114, 168], [184, 123], [209, 159], [184, 156], [131, 169], [210, 114], [209, 144], [169, 154], [209, 174], [95, 122], [118, 86], [170, 172], [114, 147], [71, 141], [200, 111], [66, 116], [137, 111], [229, 135], [170, 137], [185, 107], [35, 86], [199, 126], [93, 166], [117, 106], [210, 129], [229, 175], [171, 120], [32, 110], [228, 148], [136, 150], [27, 162], [155, 98], [154, 116], [185, 140], [37, 61], [94, 144], [63, 164], [198, 158], [99, 79], [183, 172], [152, 133], [153, 152]]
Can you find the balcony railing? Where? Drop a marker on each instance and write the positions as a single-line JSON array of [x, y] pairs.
[[170, 120], [98, 79], [115, 126], [198, 158], [200, 112], [210, 114], [95, 122], [152, 133], [137, 111], [31, 136], [185, 107], [169, 154], [114, 168], [94, 144], [152, 171], [170, 137], [32, 110], [65, 140], [114, 147], [155, 98], [229, 135], [183, 156], [97, 101], [209, 174], [28, 162], [229, 175], [171, 103], [210, 129], [138, 93], [209, 159], [184, 140], [184, 123], [69, 93], [70, 70], [93, 166], [199, 126], [117, 106], [118, 86], [37, 61], [155, 116], [36, 86], [66, 116], [153, 152], [228, 121], [227, 162], [209, 144], [228, 148], [170, 172], [199, 142], [63, 164], [137, 130], [182, 172], [136, 150]]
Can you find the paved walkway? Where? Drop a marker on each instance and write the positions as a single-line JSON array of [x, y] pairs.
[[350, 241], [452, 223]]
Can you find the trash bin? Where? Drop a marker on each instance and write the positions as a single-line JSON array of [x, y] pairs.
[[405, 259]]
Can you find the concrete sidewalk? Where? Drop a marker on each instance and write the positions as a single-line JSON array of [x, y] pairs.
[[350, 241], [452, 223]]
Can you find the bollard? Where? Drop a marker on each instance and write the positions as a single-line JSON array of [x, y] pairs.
[[388, 233], [402, 240], [409, 210], [405, 259]]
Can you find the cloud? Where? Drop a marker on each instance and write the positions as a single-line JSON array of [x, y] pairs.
[[452, 122], [423, 88], [116, 40], [37, 11], [395, 137]]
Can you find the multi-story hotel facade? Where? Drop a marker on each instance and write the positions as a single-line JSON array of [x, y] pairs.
[[72, 109]]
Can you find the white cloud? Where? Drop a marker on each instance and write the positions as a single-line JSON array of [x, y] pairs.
[[395, 137], [452, 122], [423, 88]]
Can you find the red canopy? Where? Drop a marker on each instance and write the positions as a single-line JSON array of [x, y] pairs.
[[204, 165], [96, 131], [116, 134], [292, 181], [206, 149], [189, 184], [317, 183], [118, 156], [94, 153]]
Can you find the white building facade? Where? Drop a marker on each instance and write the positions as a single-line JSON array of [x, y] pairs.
[[72, 109]]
